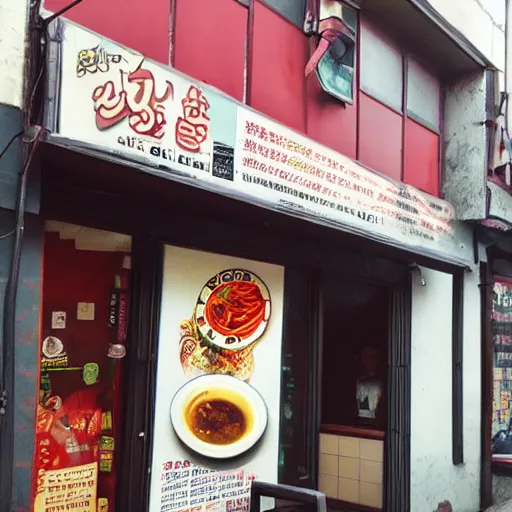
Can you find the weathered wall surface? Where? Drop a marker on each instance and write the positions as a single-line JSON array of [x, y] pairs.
[[13, 23], [434, 478]]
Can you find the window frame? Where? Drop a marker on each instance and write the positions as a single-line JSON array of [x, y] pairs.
[[404, 112]]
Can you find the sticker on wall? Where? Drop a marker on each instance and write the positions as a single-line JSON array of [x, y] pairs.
[[54, 403], [58, 320], [52, 347], [54, 356], [116, 351], [85, 311], [55, 489], [90, 373], [102, 504]]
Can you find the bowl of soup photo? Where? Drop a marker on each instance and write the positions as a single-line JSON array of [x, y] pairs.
[[218, 416]]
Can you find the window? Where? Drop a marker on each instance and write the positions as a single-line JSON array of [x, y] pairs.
[[423, 95], [292, 10], [397, 88], [381, 68], [355, 351]]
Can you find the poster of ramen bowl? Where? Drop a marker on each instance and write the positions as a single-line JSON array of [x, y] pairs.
[[217, 410], [233, 309], [218, 416]]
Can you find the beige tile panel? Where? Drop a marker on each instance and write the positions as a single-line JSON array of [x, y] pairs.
[[348, 490], [348, 467], [329, 444], [370, 471], [371, 450], [328, 464], [370, 494], [328, 484], [348, 446]]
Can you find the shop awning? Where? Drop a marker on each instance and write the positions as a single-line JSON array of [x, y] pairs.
[[109, 101]]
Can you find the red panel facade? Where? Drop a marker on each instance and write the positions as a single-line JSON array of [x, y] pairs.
[[210, 39], [209, 42], [329, 122], [421, 158], [380, 137], [143, 26], [279, 55]]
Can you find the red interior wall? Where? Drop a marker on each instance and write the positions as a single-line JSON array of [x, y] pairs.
[[380, 137], [279, 55], [209, 42], [421, 158], [143, 26], [329, 122], [72, 276]]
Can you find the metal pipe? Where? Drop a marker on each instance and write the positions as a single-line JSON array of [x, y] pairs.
[[506, 71]]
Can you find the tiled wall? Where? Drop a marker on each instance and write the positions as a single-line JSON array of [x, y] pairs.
[[351, 469]]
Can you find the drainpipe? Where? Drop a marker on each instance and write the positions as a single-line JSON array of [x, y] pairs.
[[507, 67], [487, 355]]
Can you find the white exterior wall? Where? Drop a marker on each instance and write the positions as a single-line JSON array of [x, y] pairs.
[[434, 478], [13, 23], [480, 21]]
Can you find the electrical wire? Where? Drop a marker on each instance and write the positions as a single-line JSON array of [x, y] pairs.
[[9, 321], [8, 145], [7, 235]]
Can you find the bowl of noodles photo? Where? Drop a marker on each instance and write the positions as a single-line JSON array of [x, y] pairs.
[[233, 309], [218, 416]]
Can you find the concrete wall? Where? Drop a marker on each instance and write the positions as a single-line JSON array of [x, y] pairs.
[[27, 347], [434, 478], [465, 146], [13, 22]]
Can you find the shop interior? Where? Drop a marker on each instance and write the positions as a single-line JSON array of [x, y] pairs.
[[83, 335], [354, 405]]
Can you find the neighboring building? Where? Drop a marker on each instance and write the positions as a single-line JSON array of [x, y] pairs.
[[194, 144]]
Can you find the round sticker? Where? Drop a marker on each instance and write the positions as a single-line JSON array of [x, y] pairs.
[[52, 347], [233, 309], [116, 351], [90, 373]]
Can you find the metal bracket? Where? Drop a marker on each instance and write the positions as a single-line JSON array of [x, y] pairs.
[[413, 268]]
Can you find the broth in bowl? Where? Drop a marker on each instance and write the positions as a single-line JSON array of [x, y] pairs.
[[218, 416]]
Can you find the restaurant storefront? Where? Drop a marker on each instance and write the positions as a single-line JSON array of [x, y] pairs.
[[223, 300]]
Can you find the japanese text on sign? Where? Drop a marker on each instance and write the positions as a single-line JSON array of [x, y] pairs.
[[186, 488], [72, 489], [315, 180]]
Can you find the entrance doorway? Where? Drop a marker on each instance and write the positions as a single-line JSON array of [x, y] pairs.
[[83, 334], [356, 326]]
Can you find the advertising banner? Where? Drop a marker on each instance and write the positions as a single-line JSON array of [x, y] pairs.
[[502, 395], [218, 381], [113, 100]]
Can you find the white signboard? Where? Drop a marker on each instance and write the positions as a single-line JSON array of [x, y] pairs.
[[218, 381], [116, 101], [289, 169]]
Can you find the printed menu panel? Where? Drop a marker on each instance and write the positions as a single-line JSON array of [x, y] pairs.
[[218, 381]]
